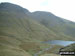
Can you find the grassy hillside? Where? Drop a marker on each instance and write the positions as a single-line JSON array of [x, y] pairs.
[[18, 30], [59, 26], [50, 55], [69, 48]]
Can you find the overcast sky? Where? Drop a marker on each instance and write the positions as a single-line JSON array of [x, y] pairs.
[[61, 8]]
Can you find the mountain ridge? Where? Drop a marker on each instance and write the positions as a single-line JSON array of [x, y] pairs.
[[20, 30]]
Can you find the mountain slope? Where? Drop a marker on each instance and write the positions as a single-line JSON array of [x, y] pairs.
[[17, 28], [58, 25], [69, 48]]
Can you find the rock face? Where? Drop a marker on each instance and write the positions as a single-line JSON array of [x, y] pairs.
[[69, 48]]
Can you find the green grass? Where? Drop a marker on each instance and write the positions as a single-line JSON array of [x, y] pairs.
[[20, 35]]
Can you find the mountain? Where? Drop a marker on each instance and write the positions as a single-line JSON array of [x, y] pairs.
[[58, 25], [18, 30], [12, 8]]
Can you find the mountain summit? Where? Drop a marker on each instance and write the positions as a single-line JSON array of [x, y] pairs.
[[12, 7]]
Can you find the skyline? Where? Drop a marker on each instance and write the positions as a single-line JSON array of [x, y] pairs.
[[61, 8]]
